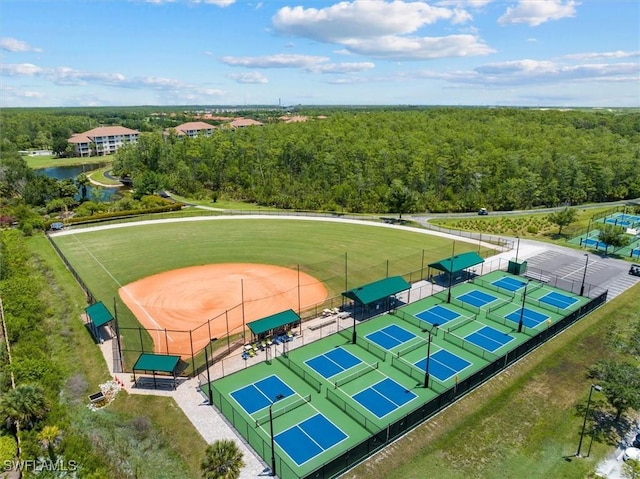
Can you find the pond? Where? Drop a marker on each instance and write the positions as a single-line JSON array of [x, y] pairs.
[[71, 172]]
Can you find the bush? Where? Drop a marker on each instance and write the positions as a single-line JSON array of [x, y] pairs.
[[532, 229], [8, 448]]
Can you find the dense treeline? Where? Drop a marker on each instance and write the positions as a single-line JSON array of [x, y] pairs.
[[442, 159], [369, 159]]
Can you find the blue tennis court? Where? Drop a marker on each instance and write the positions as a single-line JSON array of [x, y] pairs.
[[510, 284], [390, 336], [591, 242], [489, 339], [558, 300], [618, 222], [311, 437], [333, 362], [477, 298], [261, 394], [384, 397], [530, 318], [443, 364], [437, 315]]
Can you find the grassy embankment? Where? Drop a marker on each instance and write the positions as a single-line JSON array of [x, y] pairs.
[[148, 436], [526, 422], [530, 225]]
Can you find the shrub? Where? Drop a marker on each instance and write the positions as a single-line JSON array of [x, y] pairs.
[[8, 448]]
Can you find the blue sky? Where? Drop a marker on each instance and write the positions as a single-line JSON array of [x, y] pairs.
[[360, 52]]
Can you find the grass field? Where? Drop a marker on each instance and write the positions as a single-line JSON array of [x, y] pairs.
[[111, 258]]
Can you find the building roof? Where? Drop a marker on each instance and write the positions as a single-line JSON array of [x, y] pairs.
[[86, 137], [193, 125], [98, 314], [156, 362], [458, 262], [241, 122], [381, 289], [274, 321]]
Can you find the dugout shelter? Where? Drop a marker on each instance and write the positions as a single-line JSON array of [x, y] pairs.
[[165, 364], [274, 324], [455, 268], [377, 297], [99, 318]]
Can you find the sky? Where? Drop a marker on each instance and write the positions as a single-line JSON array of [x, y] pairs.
[[531, 53]]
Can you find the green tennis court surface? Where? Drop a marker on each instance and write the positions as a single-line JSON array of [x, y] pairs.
[[331, 401]]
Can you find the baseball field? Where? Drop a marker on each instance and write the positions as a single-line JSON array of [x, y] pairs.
[[176, 284]]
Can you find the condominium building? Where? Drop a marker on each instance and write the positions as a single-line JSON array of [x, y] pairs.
[[104, 140], [194, 129]]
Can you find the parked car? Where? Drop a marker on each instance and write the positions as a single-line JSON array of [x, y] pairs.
[[635, 270], [636, 441], [631, 453], [483, 212]]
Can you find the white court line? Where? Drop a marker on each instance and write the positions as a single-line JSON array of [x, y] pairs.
[[581, 269], [147, 314]]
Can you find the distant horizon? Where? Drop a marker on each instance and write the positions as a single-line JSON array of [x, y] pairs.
[[327, 105]]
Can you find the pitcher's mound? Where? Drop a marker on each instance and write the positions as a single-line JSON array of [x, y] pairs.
[[208, 301]]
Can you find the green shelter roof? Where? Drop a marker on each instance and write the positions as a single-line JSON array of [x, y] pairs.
[[458, 262], [98, 314], [381, 289], [273, 322], [156, 362]]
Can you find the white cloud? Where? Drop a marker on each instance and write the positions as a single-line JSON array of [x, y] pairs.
[[603, 55], [248, 77], [65, 76], [537, 12], [274, 61], [382, 29], [535, 72], [340, 67], [424, 48], [360, 19], [13, 45]]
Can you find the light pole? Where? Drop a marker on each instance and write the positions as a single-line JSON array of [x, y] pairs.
[[586, 413], [426, 364], [584, 276], [206, 360], [524, 300], [273, 451], [517, 248]]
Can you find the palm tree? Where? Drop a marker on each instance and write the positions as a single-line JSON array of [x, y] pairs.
[[23, 405], [49, 438], [222, 460]]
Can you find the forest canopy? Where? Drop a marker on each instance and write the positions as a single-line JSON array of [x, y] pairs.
[[357, 160]]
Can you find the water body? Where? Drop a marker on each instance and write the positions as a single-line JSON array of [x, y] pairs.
[[72, 172]]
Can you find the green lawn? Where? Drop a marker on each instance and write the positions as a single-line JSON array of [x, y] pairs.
[[526, 422], [109, 259], [39, 162]]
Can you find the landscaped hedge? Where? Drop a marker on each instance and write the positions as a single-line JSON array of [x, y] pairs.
[[109, 215]]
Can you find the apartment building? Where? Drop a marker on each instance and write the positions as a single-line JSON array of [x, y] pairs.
[[101, 141], [194, 129]]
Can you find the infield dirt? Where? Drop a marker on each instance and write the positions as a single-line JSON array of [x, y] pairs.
[[195, 304]]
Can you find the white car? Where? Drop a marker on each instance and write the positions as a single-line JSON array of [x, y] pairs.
[[631, 453]]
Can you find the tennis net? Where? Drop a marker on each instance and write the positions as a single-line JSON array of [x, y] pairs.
[[355, 375], [463, 321], [300, 401], [493, 287], [411, 347]]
